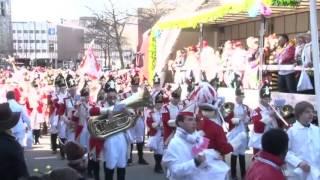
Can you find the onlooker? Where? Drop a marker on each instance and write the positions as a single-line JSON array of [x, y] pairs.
[[285, 56], [268, 163], [63, 174], [12, 163]]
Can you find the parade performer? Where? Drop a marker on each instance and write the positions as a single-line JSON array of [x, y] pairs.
[[170, 112], [95, 149], [82, 133], [23, 125], [115, 146], [238, 120], [210, 122], [137, 132], [59, 109], [71, 101], [263, 119], [155, 125], [303, 155], [188, 156]]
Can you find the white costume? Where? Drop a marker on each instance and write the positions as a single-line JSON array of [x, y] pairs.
[[19, 130], [304, 145], [179, 159], [240, 119], [83, 113], [116, 150]]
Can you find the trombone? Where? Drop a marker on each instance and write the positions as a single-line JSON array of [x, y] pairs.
[[279, 116]]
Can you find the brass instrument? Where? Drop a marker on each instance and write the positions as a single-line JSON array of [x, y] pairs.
[[227, 108], [287, 112], [279, 116], [102, 127]]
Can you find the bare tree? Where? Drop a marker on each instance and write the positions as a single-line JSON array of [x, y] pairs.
[[107, 30]]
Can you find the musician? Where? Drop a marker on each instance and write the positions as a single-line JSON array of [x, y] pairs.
[[170, 112], [156, 84], [208, 121], [263, 119], [95, 149], [187, 156], [59, 109], [115, 146], [137, 132], [155, 125], [71, 101], [82, 134], [238, 120], [303, 155]]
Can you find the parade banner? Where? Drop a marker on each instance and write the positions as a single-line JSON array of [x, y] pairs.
[[89, 65]]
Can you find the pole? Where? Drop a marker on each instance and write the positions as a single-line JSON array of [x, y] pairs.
[[315, 52], [261, 45]]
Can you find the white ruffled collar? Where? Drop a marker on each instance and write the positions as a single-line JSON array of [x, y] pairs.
[[194, 138]]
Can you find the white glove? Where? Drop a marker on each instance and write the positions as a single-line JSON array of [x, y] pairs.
[[172, 123], [154, 124], [235, 121]]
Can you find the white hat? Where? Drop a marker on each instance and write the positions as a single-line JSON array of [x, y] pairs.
[[205, 95], [190, 110]]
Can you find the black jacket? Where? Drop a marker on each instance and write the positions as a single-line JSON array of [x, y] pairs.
[[12, 163]]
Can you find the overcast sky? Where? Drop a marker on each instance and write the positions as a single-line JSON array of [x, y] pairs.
[[53, 10]]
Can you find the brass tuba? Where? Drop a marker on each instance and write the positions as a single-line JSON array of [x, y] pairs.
[[102, 127]]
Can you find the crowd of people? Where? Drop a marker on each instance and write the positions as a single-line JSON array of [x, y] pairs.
[[238, 62], [187, 131]]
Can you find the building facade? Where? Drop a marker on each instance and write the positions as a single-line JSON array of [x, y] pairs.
[[53, 44], [5, 28]]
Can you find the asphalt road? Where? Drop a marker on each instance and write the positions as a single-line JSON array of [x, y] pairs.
[[40, 157]]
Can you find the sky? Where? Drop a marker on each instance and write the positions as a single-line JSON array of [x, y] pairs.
[[54, 10]]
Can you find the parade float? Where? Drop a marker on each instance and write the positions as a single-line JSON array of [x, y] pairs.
[[235, 20]]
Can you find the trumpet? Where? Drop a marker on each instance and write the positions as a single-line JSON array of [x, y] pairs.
[[279, 116]]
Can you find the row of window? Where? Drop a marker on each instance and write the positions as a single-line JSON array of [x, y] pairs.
[[30, 31], [30, 51], [29, 41]]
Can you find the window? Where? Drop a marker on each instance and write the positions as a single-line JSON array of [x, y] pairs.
[[14, 41], [43, 31], [25, 41], [25, 31], [19, 41], [43, 41], [13, 31], [37, 41], [31, 31], [20, 51], [31, 50], [26, 50], [31, 41], [37, 31], [19, 31], [2, 9], [38, 50], [44, 50]]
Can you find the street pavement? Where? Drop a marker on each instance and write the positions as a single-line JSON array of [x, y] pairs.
[[40, 157]]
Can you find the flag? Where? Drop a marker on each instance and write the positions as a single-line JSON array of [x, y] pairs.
[[90, 65]]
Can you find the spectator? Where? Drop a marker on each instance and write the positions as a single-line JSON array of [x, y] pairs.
[[285, 56], [75, 156], [63, 174], [12, 163], [267, 164]]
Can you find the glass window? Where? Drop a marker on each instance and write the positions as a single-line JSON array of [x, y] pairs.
[[14, 41], [3, 9], [13, 31], [37, 31], [31, 50], [25, 31], [44, 50], [43, 41], [38, 50], [20, 51], [19, 31], [31, 31], [43, 31], [25, 41], [26, 50], [19, 41], [37, 41], [31, 41]]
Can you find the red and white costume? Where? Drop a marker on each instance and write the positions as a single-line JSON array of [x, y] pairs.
[[169, 114]]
